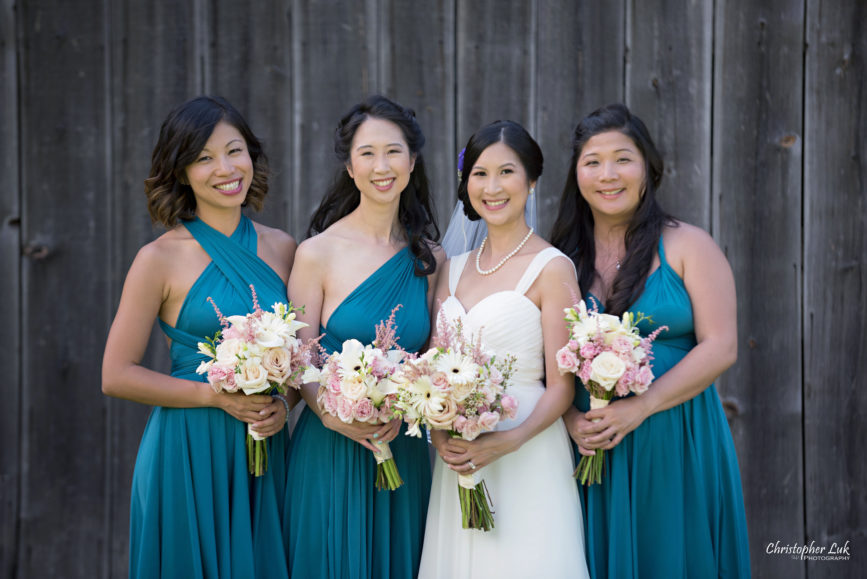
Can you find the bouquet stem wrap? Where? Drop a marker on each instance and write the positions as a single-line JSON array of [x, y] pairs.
[[257, 453], [589, 469], [475, 502], [387, 476]]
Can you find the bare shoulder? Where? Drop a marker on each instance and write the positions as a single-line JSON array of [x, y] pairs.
[[276, 238], [691, 248], [313, 252]]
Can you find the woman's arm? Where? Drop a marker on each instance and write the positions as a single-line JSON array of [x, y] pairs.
[[710, 284], [555, 287], [307, 288], [145, 289]]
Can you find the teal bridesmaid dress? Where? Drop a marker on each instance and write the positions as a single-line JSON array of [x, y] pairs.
[[670, 504], [338, 525], [195, 511]]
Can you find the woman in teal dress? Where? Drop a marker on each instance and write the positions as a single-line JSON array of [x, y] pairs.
[[670, 503], [195, 511], [372, 249]]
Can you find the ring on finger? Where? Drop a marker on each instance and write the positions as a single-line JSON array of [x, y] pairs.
[[472, 466]]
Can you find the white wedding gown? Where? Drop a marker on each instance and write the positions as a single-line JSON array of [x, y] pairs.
[[537, 514]]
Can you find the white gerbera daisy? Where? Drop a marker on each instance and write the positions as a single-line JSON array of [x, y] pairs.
[[460, 369]]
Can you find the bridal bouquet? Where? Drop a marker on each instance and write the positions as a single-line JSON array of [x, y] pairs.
[[257, 354], [459, 387], [356, 384], [611, 358]]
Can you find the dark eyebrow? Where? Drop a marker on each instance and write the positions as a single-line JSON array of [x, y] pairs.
[[371, 146]]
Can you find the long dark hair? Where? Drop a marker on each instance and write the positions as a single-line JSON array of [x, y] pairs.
[[415, 212], [513, 136], [572, 232], [183, 135]]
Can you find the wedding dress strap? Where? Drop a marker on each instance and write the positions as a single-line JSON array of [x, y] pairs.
[[456, 268], [536, 266]]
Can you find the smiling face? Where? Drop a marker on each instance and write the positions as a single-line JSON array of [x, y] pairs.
[[380, 161], [221, 174], [611, 174], [498, 185]]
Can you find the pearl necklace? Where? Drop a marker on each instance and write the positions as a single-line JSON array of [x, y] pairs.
[[502, 261]]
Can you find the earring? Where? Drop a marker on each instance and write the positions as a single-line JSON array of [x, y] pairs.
[[532, 190]]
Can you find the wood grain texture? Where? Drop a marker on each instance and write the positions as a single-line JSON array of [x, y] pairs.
[[576, 73], [152, 68], [325, 33], [251, 66], [495, 64], [758, 146], [835, 282], [668, 85], [417, 55], [10, 265], [64, 287]]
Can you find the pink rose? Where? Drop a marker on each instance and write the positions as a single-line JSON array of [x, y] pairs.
[[588, 351], [566, 360], [510, 406], [626, 382], [345, 409], [488, 420], [621, 344], [365, 411], [584, 372], [334, 383], [330, 403], [471, 430], [440, 381], [444, 418], [277, 362], [643, 380], [459, 423], [222, 378]]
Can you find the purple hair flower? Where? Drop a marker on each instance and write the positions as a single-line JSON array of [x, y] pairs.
[[461, 162]]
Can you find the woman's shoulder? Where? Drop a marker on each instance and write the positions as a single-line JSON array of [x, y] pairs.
[[686, 242], [275, 238]]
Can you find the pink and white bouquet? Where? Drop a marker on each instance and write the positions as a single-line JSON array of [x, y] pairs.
[[459, 387], [257, 353], [355, 384], [611, 358]]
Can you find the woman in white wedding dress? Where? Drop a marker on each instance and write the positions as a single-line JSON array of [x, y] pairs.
[[514, 288]]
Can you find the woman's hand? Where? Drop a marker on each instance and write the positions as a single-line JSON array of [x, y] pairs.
[[605, 427], [465, 457], [577, 425], [245, 408], [273, 418], [367, 435]]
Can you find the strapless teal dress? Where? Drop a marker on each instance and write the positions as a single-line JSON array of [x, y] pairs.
[[195, 511], [670, 504], [338, 525]]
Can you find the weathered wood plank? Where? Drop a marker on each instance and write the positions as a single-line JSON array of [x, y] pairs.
[[495, 64], [668, 84], [64, 287], [835, 282], [154, 37], [578, 71], [757, 146], [10, 265], [250, 64], [417, 55], [333, 48]]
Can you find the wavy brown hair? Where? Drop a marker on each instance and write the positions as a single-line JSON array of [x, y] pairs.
[[572, 232], [183, 135]]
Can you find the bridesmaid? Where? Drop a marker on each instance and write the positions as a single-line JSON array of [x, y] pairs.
[[196, 512], [373, 248], [670, 503]]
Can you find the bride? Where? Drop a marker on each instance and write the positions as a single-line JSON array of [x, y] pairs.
[[514, 288]]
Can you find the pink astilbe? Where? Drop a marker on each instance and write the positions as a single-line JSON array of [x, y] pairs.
[[386, 333]]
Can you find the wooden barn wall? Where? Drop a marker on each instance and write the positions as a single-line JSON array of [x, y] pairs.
[[757, 106]]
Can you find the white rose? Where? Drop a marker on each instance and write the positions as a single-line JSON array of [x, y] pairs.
[[228, 350], [252, 376], [606, 369], [277, 361], [353, 389]]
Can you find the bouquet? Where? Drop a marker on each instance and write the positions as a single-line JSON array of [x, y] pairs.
[[459, 387], [610, 357], [356, 384], [257, 354]]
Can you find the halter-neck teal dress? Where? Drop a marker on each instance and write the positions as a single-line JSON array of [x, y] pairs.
[[670, 504], [338, 525], [195, 511]]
